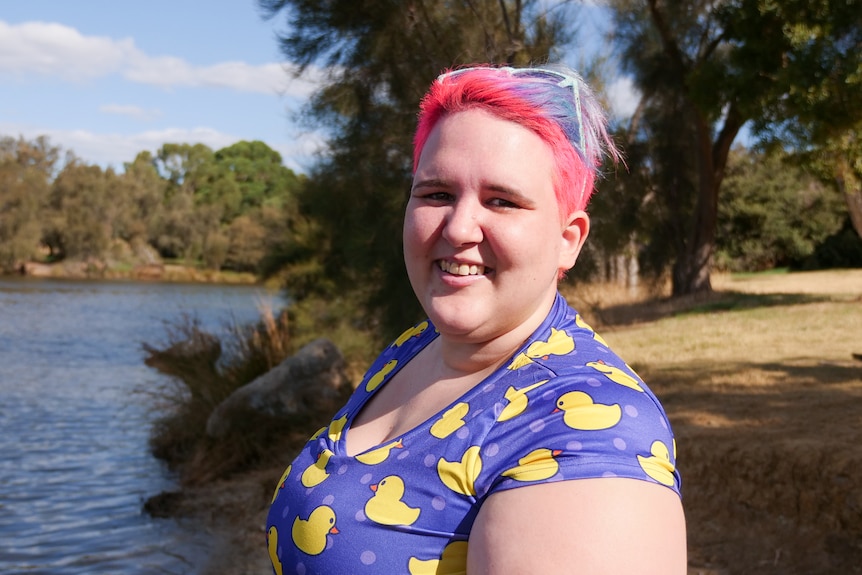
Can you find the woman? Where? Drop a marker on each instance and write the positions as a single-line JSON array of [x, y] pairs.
[[501, 435]]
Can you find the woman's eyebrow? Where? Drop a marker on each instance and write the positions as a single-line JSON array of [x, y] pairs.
[[431, 183], [516, 196]]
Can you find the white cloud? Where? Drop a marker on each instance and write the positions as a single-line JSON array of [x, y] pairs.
[[624, 97], [57, 50], [131, 111], [51, 49]]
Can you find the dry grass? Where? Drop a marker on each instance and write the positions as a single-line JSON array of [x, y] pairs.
[[764, 392]]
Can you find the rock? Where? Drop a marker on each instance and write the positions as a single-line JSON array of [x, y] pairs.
[[313, 380]]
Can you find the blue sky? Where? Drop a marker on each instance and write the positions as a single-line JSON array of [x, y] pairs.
[[107, 79]]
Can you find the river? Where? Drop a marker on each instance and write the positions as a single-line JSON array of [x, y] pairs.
[[75, 418]]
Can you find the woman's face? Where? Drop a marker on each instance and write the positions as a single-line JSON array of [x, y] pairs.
[[483, 237]]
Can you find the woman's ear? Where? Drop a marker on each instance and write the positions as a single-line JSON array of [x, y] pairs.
[[574, 233]]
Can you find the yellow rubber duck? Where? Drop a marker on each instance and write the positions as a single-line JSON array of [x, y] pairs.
[[616, 375], [559, 343], [460, 476], [453, 560], [450, 421], [537, 465], [280, 483], [380, 454], [580, 412], [317, 433], [272, 547], [309, 535], [412, 332], [579, 321], [517, 401], [378, 377], [658, 465], [336, 426], [315, 474], [385, 506]]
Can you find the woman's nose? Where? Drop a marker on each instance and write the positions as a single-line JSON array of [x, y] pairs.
[[462, 225]]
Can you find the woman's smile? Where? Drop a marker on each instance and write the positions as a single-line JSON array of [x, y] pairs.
[[462, 269]]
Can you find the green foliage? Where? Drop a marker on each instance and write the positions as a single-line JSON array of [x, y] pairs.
[[26, 171], [843, 249], [772, 214], [81, 211], [380, 57]]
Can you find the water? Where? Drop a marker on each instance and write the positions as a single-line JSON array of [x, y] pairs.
[[74, 464]]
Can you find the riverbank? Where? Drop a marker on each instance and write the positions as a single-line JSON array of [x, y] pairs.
[[763, 389], [164, 272]]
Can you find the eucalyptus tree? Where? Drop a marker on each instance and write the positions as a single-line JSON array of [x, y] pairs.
[[81, 212], [26, 172], [378, 57], [785, 67]]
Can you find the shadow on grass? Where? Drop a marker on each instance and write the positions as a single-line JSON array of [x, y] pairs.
[[769, 455], [714, 302]]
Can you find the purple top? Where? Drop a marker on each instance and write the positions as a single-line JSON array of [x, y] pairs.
[[564, 408]]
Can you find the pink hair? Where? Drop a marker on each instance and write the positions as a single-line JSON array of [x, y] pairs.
[[538, 101]]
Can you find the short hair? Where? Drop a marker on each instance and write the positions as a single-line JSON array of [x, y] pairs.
[[552, 101]]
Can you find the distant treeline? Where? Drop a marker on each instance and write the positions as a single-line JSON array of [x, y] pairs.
[[217, 209], [238, 208]]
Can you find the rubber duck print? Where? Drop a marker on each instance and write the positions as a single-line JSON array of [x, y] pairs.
[[385, 506], [616, 375], [272, 547], [517, 401], [280, 483], [318, 433], [582, 413], [559, 343], [315, 474], [310, 535], [378, 377], [380, 454], [453, 560], [336, 426], [658, 464], [415, 331], [450, 421], [537, 465], [579, 321], [460, 476]]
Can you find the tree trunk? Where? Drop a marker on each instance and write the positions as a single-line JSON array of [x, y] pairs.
[[853, 197], [692, 269]]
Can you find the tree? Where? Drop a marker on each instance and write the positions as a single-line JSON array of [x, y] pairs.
[[717, 65], [81, 211], [26, 172], [143, 190], [380, 56], [773, 213]]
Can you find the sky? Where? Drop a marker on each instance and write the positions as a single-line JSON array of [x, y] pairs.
[[107, 79]]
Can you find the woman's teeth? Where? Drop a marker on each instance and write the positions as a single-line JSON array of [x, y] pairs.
[[461, 269]]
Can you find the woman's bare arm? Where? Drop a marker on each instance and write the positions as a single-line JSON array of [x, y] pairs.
[[590, 526]]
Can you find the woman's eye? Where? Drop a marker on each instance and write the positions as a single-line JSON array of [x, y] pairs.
[[502, 203], [437, 196]]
